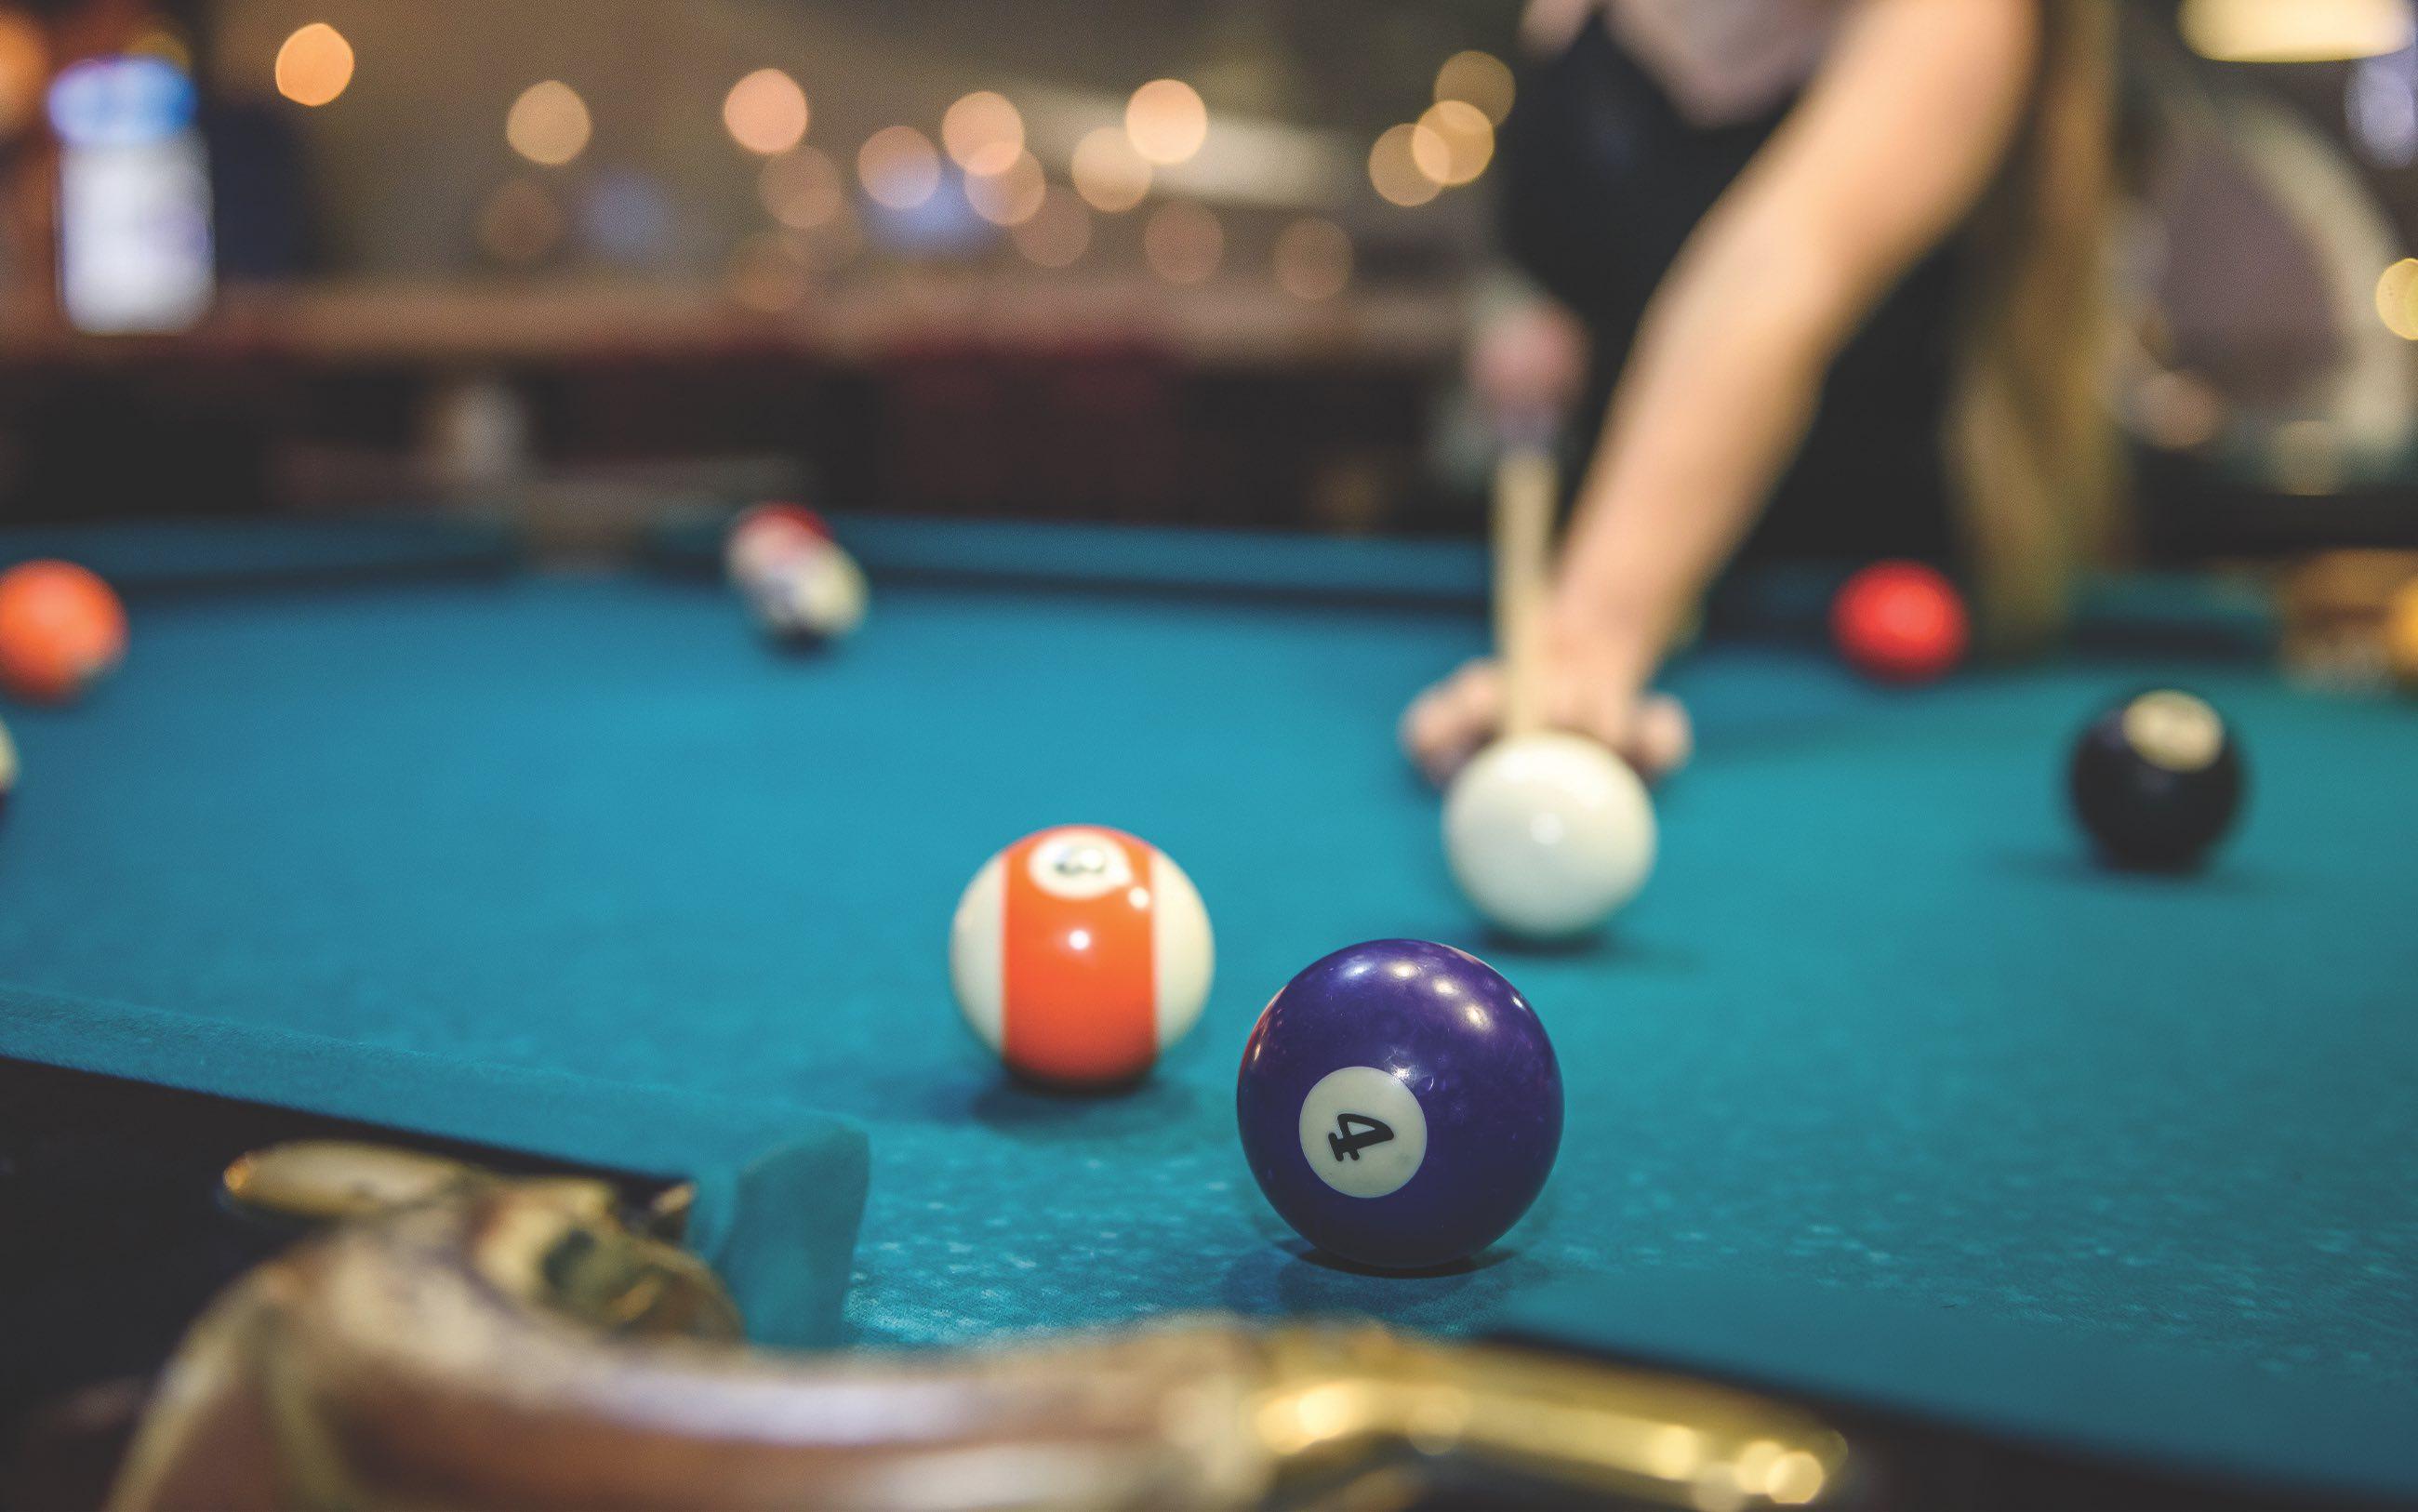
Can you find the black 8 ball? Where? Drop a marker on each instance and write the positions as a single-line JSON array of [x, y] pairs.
[[2157, 780]]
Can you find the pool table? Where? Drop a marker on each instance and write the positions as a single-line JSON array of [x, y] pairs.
[[1883, 1090]]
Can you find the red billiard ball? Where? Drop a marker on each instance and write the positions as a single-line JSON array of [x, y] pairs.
[[1079, 955], [1900, 623], [61, 628]]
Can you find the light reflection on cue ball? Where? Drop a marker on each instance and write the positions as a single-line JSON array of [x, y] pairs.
[[1548, 834]]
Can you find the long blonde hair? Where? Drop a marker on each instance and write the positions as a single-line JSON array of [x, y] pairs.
[[2032, 450]]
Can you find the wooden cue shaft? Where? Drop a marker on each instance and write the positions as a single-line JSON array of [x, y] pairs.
[[1523, 529]]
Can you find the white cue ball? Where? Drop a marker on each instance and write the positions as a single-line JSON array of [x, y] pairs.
[[1548, 834]]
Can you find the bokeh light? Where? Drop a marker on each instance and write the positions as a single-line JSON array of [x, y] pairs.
[[2397, 298], [1109, 174], [2380, 103], [1313, 259], [1166, 122], [1011, 196], [548, 124], [623, 216], [1183, 242], [25, 69], [315, 65], [766, 112], [2297, 31], [1057, 232], [899, 167], [1394, 170], [983, 132], [520, 223], [802, 189], [1479, 78], [1452, 142]]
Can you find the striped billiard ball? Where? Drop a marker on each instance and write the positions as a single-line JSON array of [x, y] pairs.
[[765, 535], [1079, 955]]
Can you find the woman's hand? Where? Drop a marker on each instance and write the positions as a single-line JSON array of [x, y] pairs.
[[1587, 690]]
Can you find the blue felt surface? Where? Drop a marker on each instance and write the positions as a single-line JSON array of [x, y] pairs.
[[1875, 1028]]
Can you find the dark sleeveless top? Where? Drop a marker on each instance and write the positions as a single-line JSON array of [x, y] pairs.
[[1600, 181]]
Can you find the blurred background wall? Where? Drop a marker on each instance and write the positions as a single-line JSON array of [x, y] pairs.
[[1209, 262]]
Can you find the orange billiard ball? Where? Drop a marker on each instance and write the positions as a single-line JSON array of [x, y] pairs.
[[61, 628], [1079, 955]]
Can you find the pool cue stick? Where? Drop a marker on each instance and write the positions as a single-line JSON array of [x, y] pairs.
[[1524, 486]]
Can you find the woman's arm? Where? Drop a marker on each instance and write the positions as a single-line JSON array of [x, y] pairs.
[[1897, 137]]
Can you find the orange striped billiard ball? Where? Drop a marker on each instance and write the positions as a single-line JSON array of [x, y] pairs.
[[1079, 955], [61, 628]]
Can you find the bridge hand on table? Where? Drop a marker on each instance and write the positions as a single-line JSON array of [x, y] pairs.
[[1450, 721]]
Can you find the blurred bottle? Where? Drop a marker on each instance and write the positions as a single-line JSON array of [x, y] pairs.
[[134, 197]]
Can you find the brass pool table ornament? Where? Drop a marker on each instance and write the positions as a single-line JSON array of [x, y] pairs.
[[499, 1342], [332, 1179], [329, 1180]]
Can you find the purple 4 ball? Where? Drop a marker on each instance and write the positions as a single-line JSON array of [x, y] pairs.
[[1399, 1103]]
